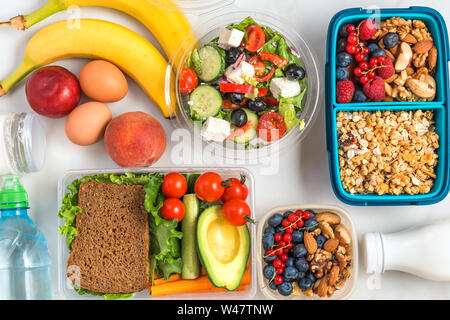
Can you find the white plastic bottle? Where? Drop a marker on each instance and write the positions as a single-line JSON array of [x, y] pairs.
[[422, 251]]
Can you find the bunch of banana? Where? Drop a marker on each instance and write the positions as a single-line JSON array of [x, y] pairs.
[[103, 40]]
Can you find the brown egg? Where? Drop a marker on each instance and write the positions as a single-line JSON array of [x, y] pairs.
[[102, 81], [86, 124]]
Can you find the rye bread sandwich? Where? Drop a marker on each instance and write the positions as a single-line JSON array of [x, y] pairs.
[[115, 236]]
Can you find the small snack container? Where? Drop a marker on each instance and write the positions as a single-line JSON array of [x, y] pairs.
[[339, 294], [64, 284], [410, 26]]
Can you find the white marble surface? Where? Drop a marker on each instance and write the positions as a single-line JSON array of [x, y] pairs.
[[303, 175]]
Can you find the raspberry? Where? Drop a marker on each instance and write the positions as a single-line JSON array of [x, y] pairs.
[[344, 91], [367, 29], [387, 70], [374, 89]]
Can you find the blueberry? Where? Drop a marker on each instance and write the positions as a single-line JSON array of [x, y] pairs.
[[290, 262], [320, 239], [269, 230], [305, 283], [285, 288], [270, 259], [359, 96], [297, 236], [295, 72], [287, 213], [390, 40], [341, 45], [267, 241], [299, 250], [311, 224], [343, 33], [344, 59], [301, 274], [273, 286], [301, 264], [268, 271], [280, 230], [377, 53], [275, 220], [342, 73], [290, 273], [372, 47], [310, 276]]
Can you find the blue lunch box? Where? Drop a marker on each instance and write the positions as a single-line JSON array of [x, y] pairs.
[[437, 27]]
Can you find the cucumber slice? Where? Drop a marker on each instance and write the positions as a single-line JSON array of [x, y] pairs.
[[206, 101], [189, 256], [251, 133], [212, 63]]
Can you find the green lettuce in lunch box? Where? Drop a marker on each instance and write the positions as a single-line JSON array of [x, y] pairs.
[[165, 251]]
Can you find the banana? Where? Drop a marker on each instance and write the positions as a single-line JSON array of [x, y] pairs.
[[97, 39], [162, 17]]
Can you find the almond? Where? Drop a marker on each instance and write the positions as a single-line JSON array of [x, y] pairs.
[[390, 55], [409, 71], [334, 275], [394, 50], [432, 58], [392, 78], [409, 38], [328, 217], [322, 289], [330, 245], [310, 242], [423, 46], [404, 57]]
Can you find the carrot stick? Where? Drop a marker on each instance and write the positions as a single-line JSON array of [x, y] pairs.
[[174, 277], [185, 286]]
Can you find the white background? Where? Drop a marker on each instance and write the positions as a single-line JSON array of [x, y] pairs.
[[303, 176]]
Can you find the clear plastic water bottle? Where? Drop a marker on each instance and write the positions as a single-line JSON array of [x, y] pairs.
[[24, 256]]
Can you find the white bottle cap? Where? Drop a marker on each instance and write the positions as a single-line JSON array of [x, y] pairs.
[[373, 252]]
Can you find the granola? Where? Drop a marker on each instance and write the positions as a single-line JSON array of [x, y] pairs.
[[392, 152]]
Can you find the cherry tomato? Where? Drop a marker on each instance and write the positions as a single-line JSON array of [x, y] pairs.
[[236, 212], [188, 80], [256, 38], [234, 189], [208, 187], [271, 126], [172, 208], [266, 77], [258, 64], [174, 185]]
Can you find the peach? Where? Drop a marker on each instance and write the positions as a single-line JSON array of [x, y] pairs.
[[135, 139]]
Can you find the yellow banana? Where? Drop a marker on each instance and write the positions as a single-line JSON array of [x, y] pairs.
[[97, 39], [162, 17]]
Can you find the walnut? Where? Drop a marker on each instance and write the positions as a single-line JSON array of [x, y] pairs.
[[419, 60]]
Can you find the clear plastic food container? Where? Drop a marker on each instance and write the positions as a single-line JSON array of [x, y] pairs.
[[350, 284], [207, 28], [64, 284]]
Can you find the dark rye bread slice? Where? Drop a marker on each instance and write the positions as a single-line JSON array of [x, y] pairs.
[[110, 252]]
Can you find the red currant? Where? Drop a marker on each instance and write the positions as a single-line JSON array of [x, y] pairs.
[[364, 65], [351, 28], [283, 265], [358, 49], [285, 223], [289, 230], [306, 215], [289, 246], [292, 217], [278, 280], [365, 51], [280, 270], [381, 60], [371, 74], [277, 263], [351, 48], [359, 57], [300, 223], [277, 237], [357, 71], [270, 252], [352, 39], [281, 244], [298, 213], [373, 62], [364, 79], [287, 237], [284, 257]]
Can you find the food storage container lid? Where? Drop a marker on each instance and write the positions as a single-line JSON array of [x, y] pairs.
[[372, 252], [34, 142]]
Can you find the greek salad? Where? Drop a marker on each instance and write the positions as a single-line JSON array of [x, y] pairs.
[[246, 85]]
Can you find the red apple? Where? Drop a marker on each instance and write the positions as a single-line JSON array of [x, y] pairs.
[[53, 91]]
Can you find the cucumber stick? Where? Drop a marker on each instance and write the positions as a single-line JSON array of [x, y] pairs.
[[191, 265]]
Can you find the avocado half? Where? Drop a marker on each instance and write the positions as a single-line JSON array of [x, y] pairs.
[[223, 248]]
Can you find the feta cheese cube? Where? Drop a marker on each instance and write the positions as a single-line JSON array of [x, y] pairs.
[[284, 87], [238, 74], [216, 129], [231, 38]]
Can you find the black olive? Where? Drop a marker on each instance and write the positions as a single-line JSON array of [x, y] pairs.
[[257, 105], [217, 87], [232, 55], [295, 72], [236, 98], [238, 117]]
